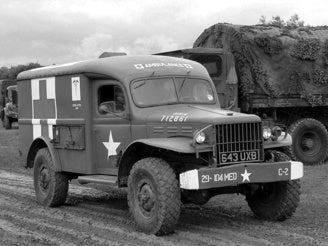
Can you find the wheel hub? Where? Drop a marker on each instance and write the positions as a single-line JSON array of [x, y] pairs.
[[310, 143], [146, 198], [44, 179]]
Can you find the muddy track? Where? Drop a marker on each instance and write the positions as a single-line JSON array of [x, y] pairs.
[[94, 217], [98, 215]]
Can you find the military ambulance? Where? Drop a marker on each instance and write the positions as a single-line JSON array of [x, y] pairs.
[[152, 124], [8, 102]]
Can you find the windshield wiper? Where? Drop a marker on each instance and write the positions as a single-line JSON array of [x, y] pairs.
[[141, 84], [144, 82], [184, 79]]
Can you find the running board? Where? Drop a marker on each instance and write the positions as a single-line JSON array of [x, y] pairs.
[[99, 179]]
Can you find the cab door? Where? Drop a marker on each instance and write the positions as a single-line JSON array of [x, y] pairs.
[[111, 125]]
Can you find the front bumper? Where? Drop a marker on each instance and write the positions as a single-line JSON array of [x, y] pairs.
[[12, 114], [238, 174]]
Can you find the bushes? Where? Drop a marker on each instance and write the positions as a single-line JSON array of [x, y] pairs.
[[12, 72]]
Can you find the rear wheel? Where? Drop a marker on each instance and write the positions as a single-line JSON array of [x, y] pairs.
[[51, 187], [154, 196], [7, 122], [275, 201], [310, 141]]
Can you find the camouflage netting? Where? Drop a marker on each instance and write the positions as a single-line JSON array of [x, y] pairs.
[[273, 60]]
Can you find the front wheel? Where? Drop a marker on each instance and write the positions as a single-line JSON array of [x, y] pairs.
[[275, 201], [278, 200], [154, 196], [51, 187], [6, 122]]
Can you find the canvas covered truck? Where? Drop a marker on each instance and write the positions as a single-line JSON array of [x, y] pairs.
[[152, 124], [8, 101], [280, 74]]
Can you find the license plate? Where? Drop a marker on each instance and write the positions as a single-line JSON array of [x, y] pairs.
[[243, 156]]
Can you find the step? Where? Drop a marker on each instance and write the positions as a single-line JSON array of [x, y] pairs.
[[99, 179]]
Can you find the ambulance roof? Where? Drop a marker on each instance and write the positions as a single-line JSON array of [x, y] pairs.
[[123, 68]]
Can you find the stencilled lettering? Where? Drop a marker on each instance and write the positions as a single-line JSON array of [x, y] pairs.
[[175, 117]]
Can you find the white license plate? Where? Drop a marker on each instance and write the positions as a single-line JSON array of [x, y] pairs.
[[242, 156]]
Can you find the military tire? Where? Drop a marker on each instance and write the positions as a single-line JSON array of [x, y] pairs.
[[278, 200], [154, 196], [6, 122], [310, 141], [51, 187]]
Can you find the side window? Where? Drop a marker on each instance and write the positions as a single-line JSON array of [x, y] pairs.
[[213, 64], [110, 99]]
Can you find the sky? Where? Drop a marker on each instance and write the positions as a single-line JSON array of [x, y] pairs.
[[61, 31]]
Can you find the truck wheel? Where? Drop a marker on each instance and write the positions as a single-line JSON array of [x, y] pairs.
[[51, 187], [278, 200], [310, 141], [7, 122], [154, 196]]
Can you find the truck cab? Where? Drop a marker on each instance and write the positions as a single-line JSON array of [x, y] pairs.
[[153, 124]]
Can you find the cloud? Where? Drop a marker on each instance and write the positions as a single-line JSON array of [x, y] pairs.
[[95, 44], [53, 32], [58, 31], [92, 46], [153, 44]]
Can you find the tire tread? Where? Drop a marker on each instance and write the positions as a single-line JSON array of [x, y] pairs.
[[293, 127], [59, 181], [285, 207], [169, 194]]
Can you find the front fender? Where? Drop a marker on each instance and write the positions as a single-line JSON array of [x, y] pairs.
[[136, 150], [281, 142]]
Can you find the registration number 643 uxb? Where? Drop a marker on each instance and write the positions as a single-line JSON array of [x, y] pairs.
[[239, 156]]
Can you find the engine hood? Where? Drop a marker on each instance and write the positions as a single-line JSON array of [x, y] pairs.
[[197, 114]]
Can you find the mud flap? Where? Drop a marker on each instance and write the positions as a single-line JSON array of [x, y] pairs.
[[234, 175]]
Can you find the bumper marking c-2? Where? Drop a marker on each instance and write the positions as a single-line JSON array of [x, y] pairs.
[[237, 174]]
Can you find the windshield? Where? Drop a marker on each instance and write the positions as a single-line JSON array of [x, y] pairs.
[[161, 91]]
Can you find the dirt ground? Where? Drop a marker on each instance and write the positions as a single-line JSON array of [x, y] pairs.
[[98, 215]]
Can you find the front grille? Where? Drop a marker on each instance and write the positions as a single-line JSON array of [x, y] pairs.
[[240, 138]]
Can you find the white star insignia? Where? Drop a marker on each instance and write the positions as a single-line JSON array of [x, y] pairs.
[[111, 146], [245, 175]]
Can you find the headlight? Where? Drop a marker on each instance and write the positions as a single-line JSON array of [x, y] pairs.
[[267, 132], [200, 137]]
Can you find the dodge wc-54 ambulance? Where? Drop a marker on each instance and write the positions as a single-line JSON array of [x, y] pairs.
[[152, 124]]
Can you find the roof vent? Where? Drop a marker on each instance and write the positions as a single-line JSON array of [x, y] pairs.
[[110, 54]]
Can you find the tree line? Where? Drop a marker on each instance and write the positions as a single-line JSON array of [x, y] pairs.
[[293, 22], [13, 71]]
